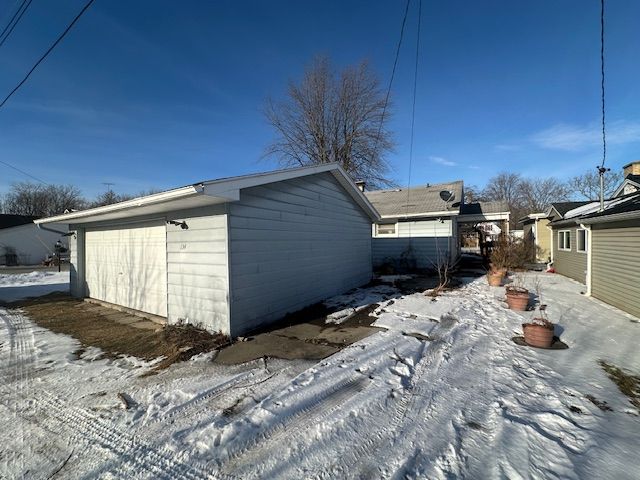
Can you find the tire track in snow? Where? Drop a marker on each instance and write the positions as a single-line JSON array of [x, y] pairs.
[[17, 378], [83, 425], [321, 407], [133, 457], [238, 381]]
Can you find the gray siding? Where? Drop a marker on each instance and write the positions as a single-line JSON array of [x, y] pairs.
[[615, 266], [409, 253], [197, 269], [292, 244], [418, 244], [572, 264]]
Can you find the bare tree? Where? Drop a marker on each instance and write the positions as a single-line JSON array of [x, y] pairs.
[[505, 187], [331, 117], [32, 199], [110, 197], [472, 194], [587, 185], [538, 193]]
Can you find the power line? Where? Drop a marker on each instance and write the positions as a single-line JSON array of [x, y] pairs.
[[604, 135], [12, 18], [393, 74], [23, 172], [4, 39], [413, 106], [62, 35]]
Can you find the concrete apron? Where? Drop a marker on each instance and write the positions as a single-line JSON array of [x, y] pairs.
[[307, 341]]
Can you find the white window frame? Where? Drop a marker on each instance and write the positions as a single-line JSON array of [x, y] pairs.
[[586, 240], [562, 242], [392, 234]]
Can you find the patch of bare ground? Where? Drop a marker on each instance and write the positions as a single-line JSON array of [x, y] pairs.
[[627, 383], [99, 327]]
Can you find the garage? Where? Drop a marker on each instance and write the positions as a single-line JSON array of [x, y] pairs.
[[230, 255], [126, 265]]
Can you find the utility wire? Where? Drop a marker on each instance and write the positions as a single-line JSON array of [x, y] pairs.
[[62, 35], [604, 135], [413, 106], [12, 18], [4, 39], [23, 172], [393, 74]]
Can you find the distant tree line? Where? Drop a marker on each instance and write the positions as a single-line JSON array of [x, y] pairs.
[[39, 200], [534, 195]]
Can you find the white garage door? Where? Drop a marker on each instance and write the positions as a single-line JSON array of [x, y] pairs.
[[127, 266]]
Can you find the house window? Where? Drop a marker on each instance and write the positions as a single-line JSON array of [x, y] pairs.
[[564, 240], [386, 229], [581, 240]]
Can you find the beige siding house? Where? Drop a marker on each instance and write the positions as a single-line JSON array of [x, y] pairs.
[[535, 228], [604, 243]]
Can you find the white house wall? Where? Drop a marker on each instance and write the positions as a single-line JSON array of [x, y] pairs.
[[417, 244], [292, 244], [31, 244]]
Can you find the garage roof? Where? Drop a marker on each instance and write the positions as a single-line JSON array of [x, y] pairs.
[[417, 201], [208, 192]]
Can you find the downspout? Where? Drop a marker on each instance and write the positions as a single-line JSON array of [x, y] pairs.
[[587, 228], [552, 249]]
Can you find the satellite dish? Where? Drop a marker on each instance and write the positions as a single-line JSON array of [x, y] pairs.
[[447, 195]]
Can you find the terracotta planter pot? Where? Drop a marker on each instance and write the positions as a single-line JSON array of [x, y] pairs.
[[518, 299], [538, 335], [495, 278]]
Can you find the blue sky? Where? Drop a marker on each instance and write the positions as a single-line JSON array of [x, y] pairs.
[[160, 94]]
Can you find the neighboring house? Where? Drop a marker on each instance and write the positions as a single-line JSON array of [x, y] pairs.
[[229, 255], [600, 247], [568, 240], [613, 273], [535, 228], [631, 182], [420, 226], [23, 243]]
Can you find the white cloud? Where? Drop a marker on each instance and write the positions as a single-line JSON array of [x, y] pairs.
[[574, 138], [443, 161]]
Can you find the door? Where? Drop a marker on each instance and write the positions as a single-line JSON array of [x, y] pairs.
[[127, 265]]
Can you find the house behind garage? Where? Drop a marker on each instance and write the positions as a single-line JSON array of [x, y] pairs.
[[23, 243], [229, 255]]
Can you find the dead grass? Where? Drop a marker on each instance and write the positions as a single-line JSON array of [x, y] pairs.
[[627, 383], [91, 326]]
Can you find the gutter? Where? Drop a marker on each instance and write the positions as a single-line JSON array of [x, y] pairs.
[[42, 227], [154, 199], [612, 217]]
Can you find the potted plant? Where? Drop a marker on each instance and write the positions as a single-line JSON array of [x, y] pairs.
[[539, 332], [498, 262], [517, 295]]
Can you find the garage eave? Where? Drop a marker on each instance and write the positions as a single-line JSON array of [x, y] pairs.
[[191, 196]]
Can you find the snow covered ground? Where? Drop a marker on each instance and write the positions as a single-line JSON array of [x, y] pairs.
[[19, 285], [442, 393]]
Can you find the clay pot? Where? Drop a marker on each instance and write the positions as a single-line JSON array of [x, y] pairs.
[[517, 299], [495, 278], [538, 335]]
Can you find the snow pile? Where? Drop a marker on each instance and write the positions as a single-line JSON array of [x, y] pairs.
[[354, 301]]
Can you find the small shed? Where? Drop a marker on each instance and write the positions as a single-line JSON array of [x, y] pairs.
[[228, 255]]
